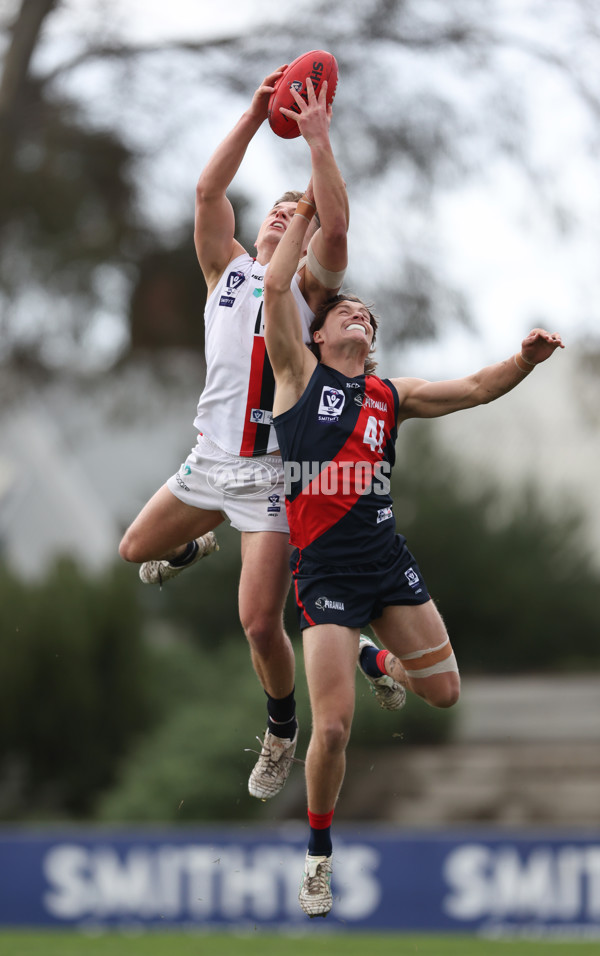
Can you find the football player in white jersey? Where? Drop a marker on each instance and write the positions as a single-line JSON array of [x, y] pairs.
[[235, 470]]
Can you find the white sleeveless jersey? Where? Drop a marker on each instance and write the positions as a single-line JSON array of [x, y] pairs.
[[235, 410]]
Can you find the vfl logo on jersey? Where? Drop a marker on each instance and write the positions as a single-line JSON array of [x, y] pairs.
[[260, 416], [412, 577], [384, 514], [234, 283], [274, 506], [331, 404], [324, 604]]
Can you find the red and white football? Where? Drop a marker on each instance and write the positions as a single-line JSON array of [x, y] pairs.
[[319, 66]]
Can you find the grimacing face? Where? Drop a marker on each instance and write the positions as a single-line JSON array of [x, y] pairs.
[[276, 221], [351, 319]]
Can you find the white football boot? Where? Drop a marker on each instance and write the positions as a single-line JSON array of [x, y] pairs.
[[157, 572], [315, 887], [388, 692]]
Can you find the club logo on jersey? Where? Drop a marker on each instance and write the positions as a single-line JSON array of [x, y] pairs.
[[384, 514], [331, 404], [274, 506], [234, 283], [243, 478], [412, 577], [261, 416], [324, 604]]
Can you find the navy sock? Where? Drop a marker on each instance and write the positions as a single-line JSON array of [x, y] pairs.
[[368, 661], [282, 715], [319, 841], [191, 550]]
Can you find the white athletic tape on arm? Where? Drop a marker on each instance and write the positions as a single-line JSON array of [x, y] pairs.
[[331, 280]]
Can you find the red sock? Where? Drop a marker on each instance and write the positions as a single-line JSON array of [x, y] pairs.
[[381, 659], [319, 842], [320, 821]]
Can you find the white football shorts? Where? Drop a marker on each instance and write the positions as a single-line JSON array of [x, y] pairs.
[[247, 491]]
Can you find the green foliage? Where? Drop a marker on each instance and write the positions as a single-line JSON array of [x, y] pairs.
[[193, 765], [513, 581], [73, 668]]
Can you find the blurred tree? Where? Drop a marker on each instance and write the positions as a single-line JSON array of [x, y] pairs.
[[516, 587], [74, 689], [75, 158]]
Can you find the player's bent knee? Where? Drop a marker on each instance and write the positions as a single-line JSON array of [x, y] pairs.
[[264, 633], [433, 674], [446, 691], [127, 550]]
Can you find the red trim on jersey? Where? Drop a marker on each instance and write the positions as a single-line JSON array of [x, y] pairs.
[[311, 513], [257, 364], [298, 601]]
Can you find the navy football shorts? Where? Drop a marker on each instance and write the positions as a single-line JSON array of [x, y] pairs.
[[355, 595]]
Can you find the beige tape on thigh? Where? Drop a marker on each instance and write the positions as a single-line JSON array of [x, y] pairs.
[[331, 280], [431, 660]]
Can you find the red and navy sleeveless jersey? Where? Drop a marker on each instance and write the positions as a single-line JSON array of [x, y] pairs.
[[338, 447]]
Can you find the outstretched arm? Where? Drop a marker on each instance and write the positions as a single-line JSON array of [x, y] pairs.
[[215, 222], [292, 362], [422, 399], [328, 258]]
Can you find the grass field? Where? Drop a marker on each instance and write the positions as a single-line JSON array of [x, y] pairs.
[[261, 944]]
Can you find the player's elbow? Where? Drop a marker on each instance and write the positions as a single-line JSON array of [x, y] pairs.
[[205, 193], [335, 234], [201, 198]]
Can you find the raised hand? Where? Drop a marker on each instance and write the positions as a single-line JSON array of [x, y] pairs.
[[539, 346], [313, 116], [260, 101]]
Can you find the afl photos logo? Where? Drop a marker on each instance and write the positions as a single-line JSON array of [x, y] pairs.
[[243, 479]]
